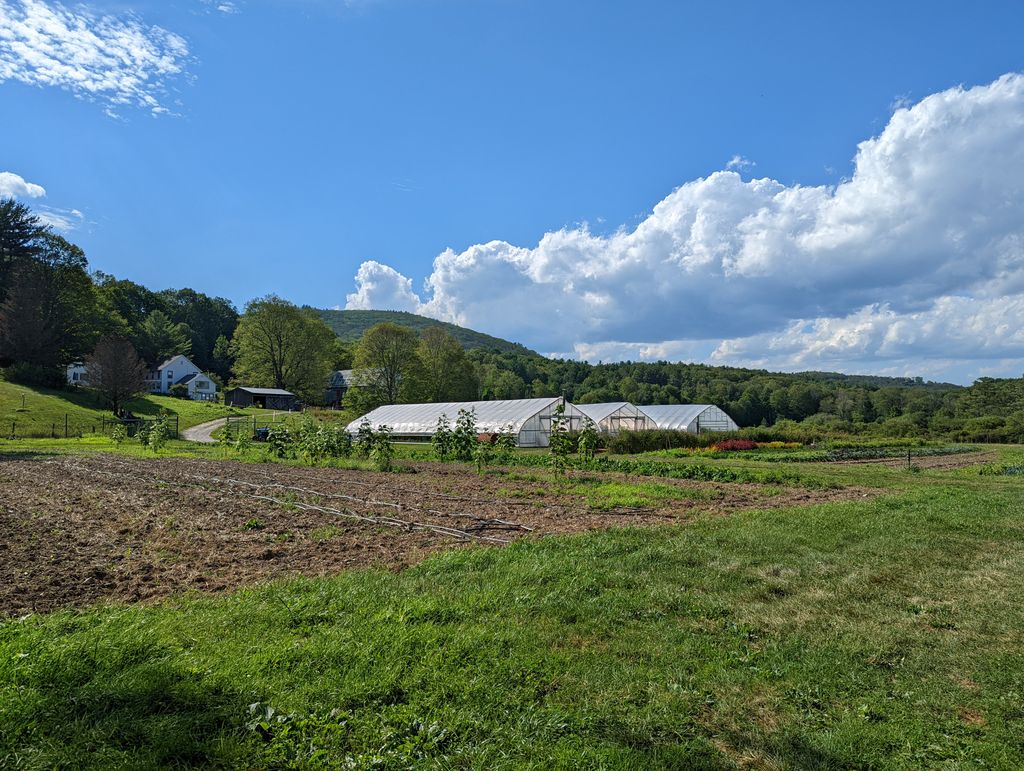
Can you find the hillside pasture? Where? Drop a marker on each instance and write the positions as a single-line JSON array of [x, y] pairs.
[[41, 412]]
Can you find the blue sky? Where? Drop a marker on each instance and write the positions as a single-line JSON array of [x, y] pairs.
[[330, 151]]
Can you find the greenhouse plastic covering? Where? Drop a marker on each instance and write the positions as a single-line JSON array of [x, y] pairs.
[[491, 417], [689, 417]]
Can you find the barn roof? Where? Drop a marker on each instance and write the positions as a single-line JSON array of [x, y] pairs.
[[263, 391]]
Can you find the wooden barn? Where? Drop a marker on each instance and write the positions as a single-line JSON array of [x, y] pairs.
[[265, 398]]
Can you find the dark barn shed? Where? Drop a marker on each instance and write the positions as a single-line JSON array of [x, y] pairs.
[[266, 398]]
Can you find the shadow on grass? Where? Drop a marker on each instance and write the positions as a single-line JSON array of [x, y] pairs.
[[126, 706]]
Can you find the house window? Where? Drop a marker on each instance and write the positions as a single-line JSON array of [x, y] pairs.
[[170, 374], [74, 376], [201, 385]]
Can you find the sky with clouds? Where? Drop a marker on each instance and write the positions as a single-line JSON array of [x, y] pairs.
[[807, 188]]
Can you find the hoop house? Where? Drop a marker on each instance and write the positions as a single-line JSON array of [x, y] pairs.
[[612, 417], [690, 417], [528, 419]]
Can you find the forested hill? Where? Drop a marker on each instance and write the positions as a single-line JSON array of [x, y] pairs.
[[350, 326]]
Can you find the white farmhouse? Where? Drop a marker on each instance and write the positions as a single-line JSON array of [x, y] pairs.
[[179, 370], [78, 375]]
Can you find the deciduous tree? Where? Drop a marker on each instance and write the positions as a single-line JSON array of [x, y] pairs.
[[445, 373], [279, 345], [115, 372], [387, 367]]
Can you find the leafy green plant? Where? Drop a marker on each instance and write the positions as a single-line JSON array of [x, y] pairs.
[[382, 452], [279, 441], [243, 440], [483, 454], [464, 437], [588, 439], [364, 439], [443, 441], [560, 442], [118, 434], [159, 433], [505, 444]]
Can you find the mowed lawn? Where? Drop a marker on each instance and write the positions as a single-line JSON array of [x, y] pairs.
[[883, 633], [41, 411]]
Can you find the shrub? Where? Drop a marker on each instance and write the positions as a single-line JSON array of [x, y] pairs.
[[483, 454], [587, 441], [505, 444], [36, 375], [364, 439], [733, 445], [464, 438], [158, 434], [178, 391], [279, 441], [381, 452], [443, 441], [561, 443]]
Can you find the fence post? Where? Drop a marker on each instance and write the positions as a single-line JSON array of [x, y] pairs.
[[65, 425], [13, 424]]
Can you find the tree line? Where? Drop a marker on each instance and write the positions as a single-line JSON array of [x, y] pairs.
[[53, 312]]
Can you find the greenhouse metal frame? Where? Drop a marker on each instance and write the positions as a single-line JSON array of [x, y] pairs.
[[612, 417], [529, 419], [690, 417]]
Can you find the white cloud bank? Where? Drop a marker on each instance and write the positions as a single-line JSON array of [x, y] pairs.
[[14, 186], [915, 264], [116, 61]]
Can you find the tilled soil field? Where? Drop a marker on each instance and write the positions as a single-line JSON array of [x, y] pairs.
[[80, 529]]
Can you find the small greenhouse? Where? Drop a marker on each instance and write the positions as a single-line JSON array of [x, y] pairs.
[[612, 417], [690, 417], [528, 419]]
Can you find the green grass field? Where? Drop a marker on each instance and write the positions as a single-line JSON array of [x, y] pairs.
[[883, 633], [40, 411]]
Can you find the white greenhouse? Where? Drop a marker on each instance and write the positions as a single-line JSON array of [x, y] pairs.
[[690, 417], [612, 417], [528, 419]]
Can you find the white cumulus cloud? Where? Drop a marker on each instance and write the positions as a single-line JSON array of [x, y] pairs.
[[927, 231], [382, 288], [15, 186], [115, 60]]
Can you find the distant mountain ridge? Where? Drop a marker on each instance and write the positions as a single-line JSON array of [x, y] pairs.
[[350, 326]]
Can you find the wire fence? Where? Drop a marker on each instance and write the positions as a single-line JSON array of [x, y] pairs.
[[72, 427], [253, 425]]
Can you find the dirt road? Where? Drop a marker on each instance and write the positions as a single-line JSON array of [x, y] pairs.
[[203, 433]]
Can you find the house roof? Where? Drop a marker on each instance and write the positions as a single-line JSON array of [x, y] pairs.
[[263, 391], [348, 378], [176, 356], [187, 379]]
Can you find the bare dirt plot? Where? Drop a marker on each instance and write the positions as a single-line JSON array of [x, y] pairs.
[[76, 530]]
